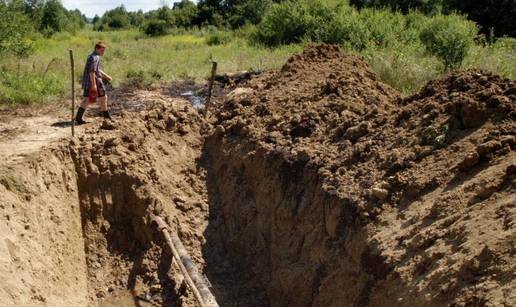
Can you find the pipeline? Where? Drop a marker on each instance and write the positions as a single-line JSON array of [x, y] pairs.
[[194, 280]]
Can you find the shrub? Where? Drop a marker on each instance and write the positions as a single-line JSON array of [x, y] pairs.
[[184, 13], [117, 18], [139, 79], [427, 6], [15, 30], [284, 23], [489, 14], [156, 27], [247, 12], [332, 22], [347, 29], [245, 32], [449, 38], [219, 38]]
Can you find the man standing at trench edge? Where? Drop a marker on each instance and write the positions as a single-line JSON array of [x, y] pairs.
[[93, 85]]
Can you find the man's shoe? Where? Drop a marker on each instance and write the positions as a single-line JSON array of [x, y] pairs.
[[80, 121], [78, 117], [106, 115]]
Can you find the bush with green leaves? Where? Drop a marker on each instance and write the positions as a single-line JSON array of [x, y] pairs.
[[155, 27], [283, 24], [496, 15], [15, 30], [449, 38], [184, 13], [54, 18], [294, 21], [139, 78], [240, 13], [115, 19], [333, 22], [219, 38]]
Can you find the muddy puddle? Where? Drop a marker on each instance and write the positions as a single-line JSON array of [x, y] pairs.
[[195, 99]]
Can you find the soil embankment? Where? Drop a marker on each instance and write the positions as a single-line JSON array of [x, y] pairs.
[[314, 185], [336, 191], [77, 215]]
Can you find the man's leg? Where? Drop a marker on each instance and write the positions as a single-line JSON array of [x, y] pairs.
[[81, 110], [104, 106]]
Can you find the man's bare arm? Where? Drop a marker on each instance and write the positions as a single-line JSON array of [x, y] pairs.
[[105, 76]]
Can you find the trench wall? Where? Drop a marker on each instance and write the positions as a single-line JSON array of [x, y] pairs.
[[42, 258], [303, 246]]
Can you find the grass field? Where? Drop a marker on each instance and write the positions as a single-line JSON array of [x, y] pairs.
[[44, 76]]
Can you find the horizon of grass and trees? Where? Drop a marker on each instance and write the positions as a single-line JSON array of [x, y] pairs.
[[407, 42]]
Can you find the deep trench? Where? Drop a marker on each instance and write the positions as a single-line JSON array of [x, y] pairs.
[[291, 242], [274, 236]]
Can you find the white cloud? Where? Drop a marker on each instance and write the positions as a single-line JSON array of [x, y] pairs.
[[92, 7]]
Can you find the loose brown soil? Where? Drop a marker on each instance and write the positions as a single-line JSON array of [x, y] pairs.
[[314, 185]]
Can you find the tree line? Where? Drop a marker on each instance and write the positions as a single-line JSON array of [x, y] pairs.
[[21, 19], [495, 17]]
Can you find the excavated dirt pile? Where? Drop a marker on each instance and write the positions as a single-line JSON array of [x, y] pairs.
[[335, 191]]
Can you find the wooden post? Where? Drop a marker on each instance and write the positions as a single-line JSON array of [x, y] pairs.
[[73, 92], [210, 88]]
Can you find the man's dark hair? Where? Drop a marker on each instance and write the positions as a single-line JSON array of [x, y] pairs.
[[100, 45]]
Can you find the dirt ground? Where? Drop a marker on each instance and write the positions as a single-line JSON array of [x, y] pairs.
[[313, 185]]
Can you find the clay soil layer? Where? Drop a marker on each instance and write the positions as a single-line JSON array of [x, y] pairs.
[[313, 185]]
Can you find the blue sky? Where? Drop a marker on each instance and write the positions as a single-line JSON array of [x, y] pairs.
[[92, 7]]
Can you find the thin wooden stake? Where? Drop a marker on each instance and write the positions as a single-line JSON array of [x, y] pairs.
[[210, 88], [73, 92]]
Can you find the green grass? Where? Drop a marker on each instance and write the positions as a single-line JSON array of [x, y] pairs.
[[45, 75], [171, 57]]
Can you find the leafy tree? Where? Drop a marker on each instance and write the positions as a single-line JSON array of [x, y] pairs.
[[15, 28], [185, 13], [95, 19], [137, 19], [498, 15], [489, 14], [449, 38], [234, 13], [210, 13], [53, 17], [117, 18], [247, 11], [156, 27]]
